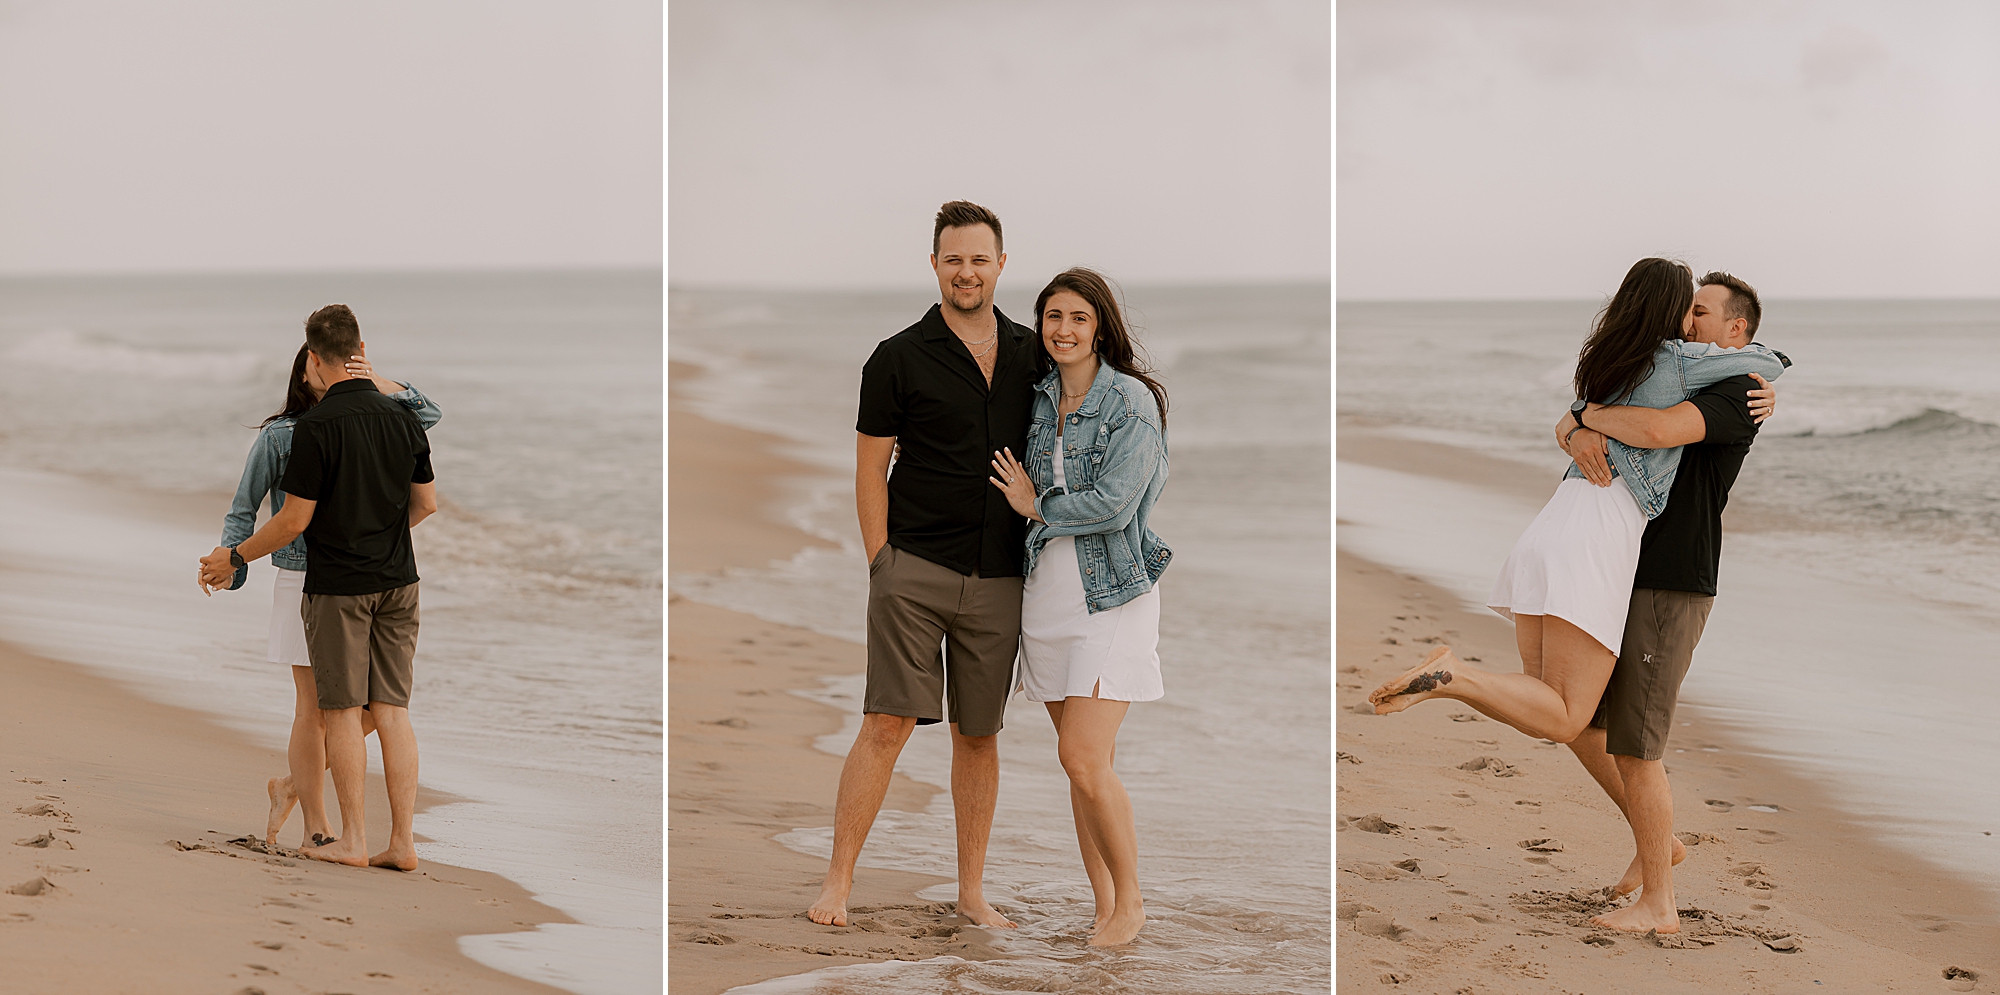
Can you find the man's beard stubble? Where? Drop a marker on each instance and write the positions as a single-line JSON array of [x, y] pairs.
[[981, 298]]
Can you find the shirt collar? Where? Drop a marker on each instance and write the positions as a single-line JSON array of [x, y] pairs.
[[348, 385]]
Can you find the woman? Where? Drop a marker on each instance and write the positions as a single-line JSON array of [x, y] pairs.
[[1090, 607], [1568, 582], [287, 645]]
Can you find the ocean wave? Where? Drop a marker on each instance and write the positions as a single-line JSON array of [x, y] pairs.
[[1935, 421], [68, 351], [1909, 420]]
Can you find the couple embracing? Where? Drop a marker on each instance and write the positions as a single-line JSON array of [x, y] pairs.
[[1013, 526], [1610, 586]]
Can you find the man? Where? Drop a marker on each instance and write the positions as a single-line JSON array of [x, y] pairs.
[[359, 478], [1672, 590], [944, 550]]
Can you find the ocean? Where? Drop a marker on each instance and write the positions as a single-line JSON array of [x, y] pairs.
[[1229, 773], [1859, 598], [539, 667]]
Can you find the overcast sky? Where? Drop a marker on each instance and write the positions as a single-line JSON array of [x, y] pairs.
[[205, 135], [1536, 149], [812, 142]]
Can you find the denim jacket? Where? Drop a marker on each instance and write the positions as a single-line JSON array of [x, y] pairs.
[[266, 467], [1114, 466], [1680, 371]]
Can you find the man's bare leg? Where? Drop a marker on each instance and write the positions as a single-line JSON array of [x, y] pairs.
[[305, 756], [1589, 749], [975, 789], [399, 772], [1649, 807], [864, 782], [306, 752], [347, 758], [1088, 734]]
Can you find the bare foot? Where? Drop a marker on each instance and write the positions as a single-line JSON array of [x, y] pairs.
[[397, 857], [1636, 876], [1120, 928], [282, 800], [350, 851], [1097, 923], [831, 909], [983, 914], [1640, 918], [1416, 684]]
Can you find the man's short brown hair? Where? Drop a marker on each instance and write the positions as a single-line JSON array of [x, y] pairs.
[[333, 334], [1743, 301], [963, 214]]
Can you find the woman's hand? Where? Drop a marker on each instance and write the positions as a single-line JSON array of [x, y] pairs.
[[358, 368], [1012, 479], [1763, 403]]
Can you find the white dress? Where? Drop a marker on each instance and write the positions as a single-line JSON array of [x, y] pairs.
[[1067, 651], [1576, 560]]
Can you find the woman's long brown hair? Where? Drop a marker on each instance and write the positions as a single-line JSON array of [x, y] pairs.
[[1647, 310], [298, 395], [1114, 344]]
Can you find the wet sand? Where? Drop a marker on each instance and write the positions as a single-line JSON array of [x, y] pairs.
[[1437, 892], [741, 766], [117, 873]]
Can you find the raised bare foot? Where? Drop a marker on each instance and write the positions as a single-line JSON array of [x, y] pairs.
[[401, 857], [1120, 928], [1636, 876], [831, 909], [1416, 684], [352, 852], [983, 914], [282, 800], [1640, 918]]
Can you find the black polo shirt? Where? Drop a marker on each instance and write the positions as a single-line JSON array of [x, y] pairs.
[[1682, 548], [923, 387], [356, 453]]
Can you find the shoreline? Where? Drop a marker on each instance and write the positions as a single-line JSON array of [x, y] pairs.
[[143, 799], [1472, 907], [741, 765]]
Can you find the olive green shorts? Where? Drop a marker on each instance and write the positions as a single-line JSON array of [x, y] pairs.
[[936, 633], [363, 647], [1637, 710]]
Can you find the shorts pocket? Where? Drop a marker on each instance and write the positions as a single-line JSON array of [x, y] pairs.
[[881, 558]]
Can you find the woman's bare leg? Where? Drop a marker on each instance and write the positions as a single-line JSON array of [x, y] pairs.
[[1085, 742], [1103, 892], [1563, 675]]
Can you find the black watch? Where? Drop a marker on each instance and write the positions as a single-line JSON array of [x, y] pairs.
[[236, 559], [1576, 411]]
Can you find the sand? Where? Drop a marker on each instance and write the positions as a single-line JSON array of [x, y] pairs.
[[1436, 891], [741, 767], [120, 811]]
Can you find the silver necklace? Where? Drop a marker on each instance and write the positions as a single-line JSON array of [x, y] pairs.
[[990, 341]]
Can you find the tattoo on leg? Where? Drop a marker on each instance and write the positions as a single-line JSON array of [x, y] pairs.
[[1426, 682]]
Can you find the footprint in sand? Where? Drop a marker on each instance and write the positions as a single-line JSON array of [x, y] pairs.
[[32, 887], [1718, 805], [43, 842], [1960, 979]]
